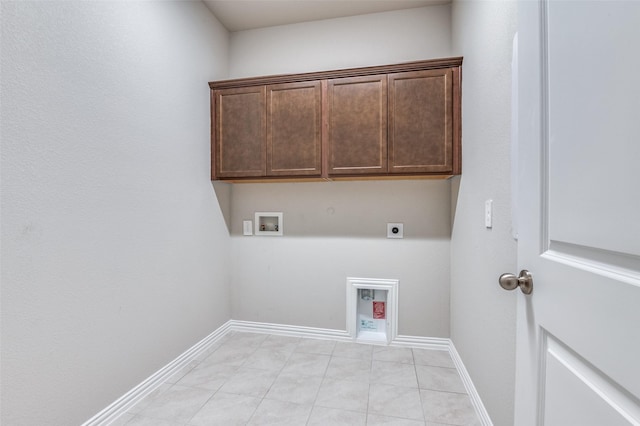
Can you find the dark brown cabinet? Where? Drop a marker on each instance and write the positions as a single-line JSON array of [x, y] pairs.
[[387, 121], [420, 122], [267, 131], [357, 117], [294, 129], [240, 132]]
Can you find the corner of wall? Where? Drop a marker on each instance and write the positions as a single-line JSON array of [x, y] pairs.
[[482, 315]]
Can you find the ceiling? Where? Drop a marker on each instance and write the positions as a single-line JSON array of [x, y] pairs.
[[238, 15]]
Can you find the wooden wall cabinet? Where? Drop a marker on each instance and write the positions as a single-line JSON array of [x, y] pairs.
[[240, 132], [420, 122], [382, 122], [357, 130], [294, 129]]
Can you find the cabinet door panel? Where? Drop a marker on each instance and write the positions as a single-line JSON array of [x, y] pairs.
[[240, 132], [420, 121], [357, 119], [294, 129]]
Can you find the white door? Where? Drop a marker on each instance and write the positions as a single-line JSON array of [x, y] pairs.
[[578, 353]]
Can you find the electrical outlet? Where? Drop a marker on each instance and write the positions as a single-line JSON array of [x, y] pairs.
[[395, 230]]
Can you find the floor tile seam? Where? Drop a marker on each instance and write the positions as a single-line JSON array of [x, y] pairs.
[[437, 366], [152, 400], [193, 364], [405, 418], [394, 417], [146, 416], [145, 406], [315, 403], [264, 398], [277, 349], [204, 389], [239, 394], [373, 378], [248, 367], [340, 379], [352, 358], [312, 353], [368, 401], [393, 384], [445, 391], [392, 362], [422, 404], [273, 350], [202, 406], [302, 374], [254, 411], [315, 398], [278, 400], [324, 372], [347, 379], [155, 418], [288, 355], [341, 409], [212, 363], [449, 424], [272, 383]]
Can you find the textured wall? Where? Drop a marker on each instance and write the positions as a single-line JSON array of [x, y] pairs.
[[114, 249], [302, 281], [482, 314]]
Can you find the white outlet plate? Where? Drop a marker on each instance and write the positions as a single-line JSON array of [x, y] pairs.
[[395, 230]]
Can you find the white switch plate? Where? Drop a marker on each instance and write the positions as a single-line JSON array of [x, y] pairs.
[[395, 230], [488, 213], [247, 227]]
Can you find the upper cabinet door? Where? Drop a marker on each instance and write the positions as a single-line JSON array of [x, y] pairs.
[[239, 132], [357, 125], [294, 129], [421, 138]]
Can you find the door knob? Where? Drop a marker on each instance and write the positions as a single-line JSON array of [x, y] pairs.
[[524, 281]]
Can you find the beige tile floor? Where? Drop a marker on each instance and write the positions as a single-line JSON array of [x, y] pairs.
[[261, 379]]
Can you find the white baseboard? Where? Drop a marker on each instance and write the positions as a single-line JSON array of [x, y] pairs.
[[128, 400], [447, 345], [436, 343], [481, 411], [289, 330]]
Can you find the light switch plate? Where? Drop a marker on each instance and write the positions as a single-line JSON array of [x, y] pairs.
[[395, 230], [247, 227], [488, 213]]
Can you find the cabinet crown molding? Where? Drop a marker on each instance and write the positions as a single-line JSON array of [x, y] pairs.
[[346, 72]]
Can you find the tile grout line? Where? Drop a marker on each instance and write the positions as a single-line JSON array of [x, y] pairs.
[[354, 355]]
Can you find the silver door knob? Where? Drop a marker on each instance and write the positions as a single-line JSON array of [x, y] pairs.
[[524, 281]]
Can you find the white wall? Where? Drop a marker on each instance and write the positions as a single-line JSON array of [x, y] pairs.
[[114, 249], [364, 40], [335, 230], [302, 281], [482, 314]]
